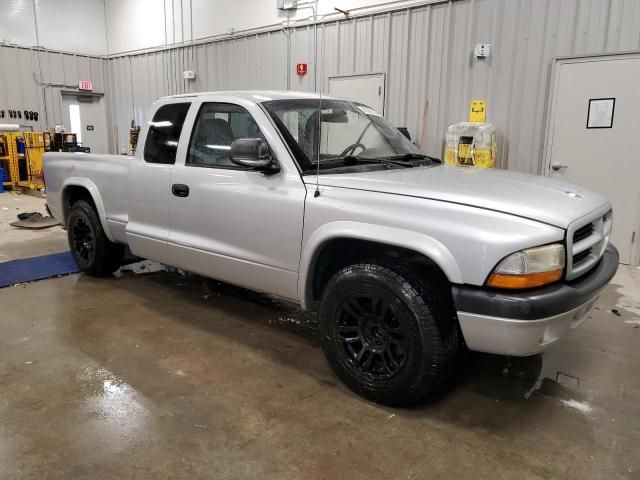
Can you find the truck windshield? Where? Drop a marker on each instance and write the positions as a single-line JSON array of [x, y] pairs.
[[349, 133]]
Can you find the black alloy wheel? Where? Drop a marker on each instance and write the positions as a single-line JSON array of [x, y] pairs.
[[83, 238], [90, 247], [389, 330], [372, 337]]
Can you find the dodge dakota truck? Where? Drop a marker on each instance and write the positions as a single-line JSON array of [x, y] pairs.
[[323, 202]]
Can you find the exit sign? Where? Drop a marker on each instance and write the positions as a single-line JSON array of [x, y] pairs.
[[85, 85]]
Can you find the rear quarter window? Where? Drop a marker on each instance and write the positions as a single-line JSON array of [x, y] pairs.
[[164, 133]]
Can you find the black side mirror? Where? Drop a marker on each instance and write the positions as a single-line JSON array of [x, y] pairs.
[[254, 154], [405, 131]]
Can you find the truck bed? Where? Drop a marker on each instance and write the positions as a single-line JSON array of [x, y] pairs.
[[107, 174]]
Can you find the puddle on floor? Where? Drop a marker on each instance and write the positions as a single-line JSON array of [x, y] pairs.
[[518, 378], [276, 312]]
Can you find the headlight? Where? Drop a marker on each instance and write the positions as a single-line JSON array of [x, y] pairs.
[[529, 268]]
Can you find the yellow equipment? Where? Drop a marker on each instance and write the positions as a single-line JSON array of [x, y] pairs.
[[471, 145], [4, 162], [22, 158]]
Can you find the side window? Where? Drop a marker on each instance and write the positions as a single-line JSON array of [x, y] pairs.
[[164, 132], [217, 126]]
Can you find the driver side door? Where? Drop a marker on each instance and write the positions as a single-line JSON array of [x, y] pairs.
[[233, 224]]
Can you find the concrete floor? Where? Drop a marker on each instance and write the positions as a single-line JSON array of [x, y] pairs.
[[21, 243], [157, 375]]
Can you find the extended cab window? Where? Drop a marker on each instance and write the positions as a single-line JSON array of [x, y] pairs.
[[164, 132], [217, 126]]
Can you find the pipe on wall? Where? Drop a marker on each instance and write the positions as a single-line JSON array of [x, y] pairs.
[[39, 61], [354, 13]]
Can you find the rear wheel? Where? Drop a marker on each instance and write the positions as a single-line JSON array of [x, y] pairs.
[[92, 251], [388, 333]]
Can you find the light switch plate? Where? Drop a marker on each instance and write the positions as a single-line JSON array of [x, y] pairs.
[[482, 50]]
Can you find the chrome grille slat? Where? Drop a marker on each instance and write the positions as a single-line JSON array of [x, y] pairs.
[[587, 239], [580, 257], [582, 233], [586, 243]]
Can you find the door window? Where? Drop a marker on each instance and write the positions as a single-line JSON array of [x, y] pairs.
[[164, 133], [74, 120], [217, 126]]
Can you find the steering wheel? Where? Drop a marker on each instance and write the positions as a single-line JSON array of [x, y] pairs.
[[352, 148]]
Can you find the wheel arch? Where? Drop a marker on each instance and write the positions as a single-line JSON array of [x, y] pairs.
[[77, 188], [337, 244]]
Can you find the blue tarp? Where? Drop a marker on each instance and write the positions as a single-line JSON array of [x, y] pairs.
[[36, 268]]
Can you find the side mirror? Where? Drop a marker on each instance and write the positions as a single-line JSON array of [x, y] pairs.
[[405, 131], [254, 154]]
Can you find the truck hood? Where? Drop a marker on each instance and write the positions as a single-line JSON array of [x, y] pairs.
[[531, 196]]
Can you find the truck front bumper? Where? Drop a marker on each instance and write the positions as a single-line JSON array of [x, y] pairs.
[[528, 322]]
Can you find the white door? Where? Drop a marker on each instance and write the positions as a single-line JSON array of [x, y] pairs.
[[593, 137], [366, 89], [86, 117]]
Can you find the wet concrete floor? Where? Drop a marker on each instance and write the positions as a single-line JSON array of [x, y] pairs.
[[160, 375], [18, 243]]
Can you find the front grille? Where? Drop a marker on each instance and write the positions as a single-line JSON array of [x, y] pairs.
[[583, 232], [581, 257], [587, 240]]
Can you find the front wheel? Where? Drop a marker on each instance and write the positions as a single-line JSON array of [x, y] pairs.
[[388, 333], [92, 251]]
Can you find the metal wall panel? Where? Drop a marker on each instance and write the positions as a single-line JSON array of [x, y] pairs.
[[97, 73], [426, 54], [70, 67], [55, 68], [31, 79], [121, 101]]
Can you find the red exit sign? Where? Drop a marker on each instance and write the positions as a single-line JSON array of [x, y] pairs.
[[301, 68], [85, 85]]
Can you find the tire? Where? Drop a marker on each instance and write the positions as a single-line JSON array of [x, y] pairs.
[[92, 251], [389, 334]]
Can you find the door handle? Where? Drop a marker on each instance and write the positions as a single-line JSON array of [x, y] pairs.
[[180, 190], [558, 166]]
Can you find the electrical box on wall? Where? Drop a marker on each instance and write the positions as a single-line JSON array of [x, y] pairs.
[[482, 50], [287, 4], [189, 74]]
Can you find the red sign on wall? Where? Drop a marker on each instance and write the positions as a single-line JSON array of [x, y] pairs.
[[85, 85], [301, 68]]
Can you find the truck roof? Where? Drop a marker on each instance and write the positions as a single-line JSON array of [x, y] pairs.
[[255, 95]]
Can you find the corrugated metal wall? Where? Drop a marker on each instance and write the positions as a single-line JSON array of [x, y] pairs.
[[32, 79], [244, 63], [426, 54]]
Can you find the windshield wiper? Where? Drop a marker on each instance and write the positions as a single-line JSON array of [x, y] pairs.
[[417, 156], [353, 159], [408, 156]]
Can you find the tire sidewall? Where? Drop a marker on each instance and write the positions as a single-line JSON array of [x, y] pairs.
[[84, 211], [360, 279]]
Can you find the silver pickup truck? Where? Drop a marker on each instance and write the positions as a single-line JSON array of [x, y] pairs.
[[323, 202]]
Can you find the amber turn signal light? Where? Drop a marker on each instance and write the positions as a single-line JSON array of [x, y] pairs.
[[500, 280]]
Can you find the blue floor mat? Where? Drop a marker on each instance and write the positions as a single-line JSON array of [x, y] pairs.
[[36, 268]]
